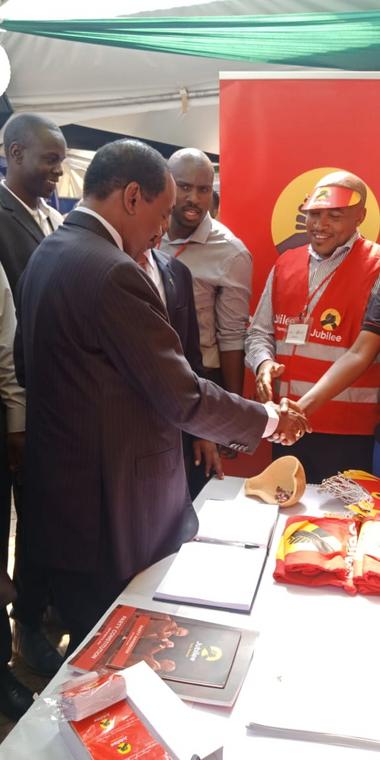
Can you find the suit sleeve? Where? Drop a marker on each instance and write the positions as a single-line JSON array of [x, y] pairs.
[[135, 335]]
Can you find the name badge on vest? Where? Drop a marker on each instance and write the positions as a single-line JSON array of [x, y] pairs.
[[298, 330]]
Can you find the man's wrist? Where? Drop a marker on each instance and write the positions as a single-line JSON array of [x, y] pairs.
[[261, 362], [273, 420]]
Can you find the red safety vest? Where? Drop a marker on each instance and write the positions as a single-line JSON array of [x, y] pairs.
[[336, 322]]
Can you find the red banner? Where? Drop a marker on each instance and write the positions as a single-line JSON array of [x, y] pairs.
[[281, 132]]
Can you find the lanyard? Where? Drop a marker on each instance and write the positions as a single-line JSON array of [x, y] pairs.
[[328, 277], [180, 250]]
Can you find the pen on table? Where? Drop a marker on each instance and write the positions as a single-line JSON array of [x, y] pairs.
[[225, 542]]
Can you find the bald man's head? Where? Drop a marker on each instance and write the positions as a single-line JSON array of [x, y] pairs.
[[193, 173]]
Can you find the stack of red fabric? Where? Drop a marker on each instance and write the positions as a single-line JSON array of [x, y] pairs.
[[367, 558], [318, 551]]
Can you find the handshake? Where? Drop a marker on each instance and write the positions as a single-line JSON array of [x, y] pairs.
[[292, 423]]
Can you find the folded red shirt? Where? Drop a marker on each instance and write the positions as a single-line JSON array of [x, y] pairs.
[[367, 558], [317, 551]]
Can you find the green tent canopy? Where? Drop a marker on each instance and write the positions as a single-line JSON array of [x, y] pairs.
[[348, 41]]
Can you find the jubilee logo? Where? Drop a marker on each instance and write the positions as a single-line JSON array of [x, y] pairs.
[[330, 319]]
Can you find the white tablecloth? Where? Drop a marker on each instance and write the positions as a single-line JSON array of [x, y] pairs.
[[321, 640]]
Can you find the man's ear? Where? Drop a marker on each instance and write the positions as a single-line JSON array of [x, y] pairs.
[[16, 152], [131, 197], [362, 216]]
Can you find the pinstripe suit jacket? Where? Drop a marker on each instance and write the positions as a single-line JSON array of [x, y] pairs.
[[108, 391]]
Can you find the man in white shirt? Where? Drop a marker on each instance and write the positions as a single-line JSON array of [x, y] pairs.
[[220, 264]]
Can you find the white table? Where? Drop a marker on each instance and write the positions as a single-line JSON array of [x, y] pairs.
[[309, 632]]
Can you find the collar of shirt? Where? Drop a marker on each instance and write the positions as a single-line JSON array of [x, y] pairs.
[[40, 214], [149, 257], [153, 271], [339, 250], [200, 234], [114, 233]]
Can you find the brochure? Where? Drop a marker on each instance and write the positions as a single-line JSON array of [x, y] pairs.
[[201, 661]]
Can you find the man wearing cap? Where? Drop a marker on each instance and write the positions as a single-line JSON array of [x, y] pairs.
[[310, 314]]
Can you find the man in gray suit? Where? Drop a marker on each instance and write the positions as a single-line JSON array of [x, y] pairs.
[[109, 391]]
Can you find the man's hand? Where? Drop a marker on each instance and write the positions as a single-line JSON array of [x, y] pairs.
[[292, 423], [15, 450], [266, 373], [286, 403], [211, 458]]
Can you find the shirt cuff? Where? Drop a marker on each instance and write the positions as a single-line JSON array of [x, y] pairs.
[[16, 419], [231, 344], [253, 360], [272, 421]]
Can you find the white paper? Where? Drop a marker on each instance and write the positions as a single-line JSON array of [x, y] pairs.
[[184, 732], [215, 575], [241, 520], [334, 703]]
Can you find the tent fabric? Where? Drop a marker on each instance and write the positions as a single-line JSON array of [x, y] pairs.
[[335, 40], [165, 97]]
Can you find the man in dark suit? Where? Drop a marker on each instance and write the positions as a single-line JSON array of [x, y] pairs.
[[109, 391], [175, 285], [34, 148]]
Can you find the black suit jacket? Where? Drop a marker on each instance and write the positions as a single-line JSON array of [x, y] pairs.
[[178, 285], [108, 392], [19, 236]]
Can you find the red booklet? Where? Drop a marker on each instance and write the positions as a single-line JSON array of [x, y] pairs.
[[112, 734], [202, 661]]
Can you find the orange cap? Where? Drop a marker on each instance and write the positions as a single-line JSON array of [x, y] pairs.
[[331, 196]]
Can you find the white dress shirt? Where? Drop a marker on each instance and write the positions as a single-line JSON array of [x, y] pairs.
[[149, 265]]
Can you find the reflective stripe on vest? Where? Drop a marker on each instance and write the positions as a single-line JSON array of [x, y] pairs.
[[311, 351]]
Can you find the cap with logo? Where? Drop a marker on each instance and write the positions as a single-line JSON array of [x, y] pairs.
[[331, 196]]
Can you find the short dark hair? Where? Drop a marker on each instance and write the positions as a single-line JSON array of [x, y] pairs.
[[22, 126], [118, 163]]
